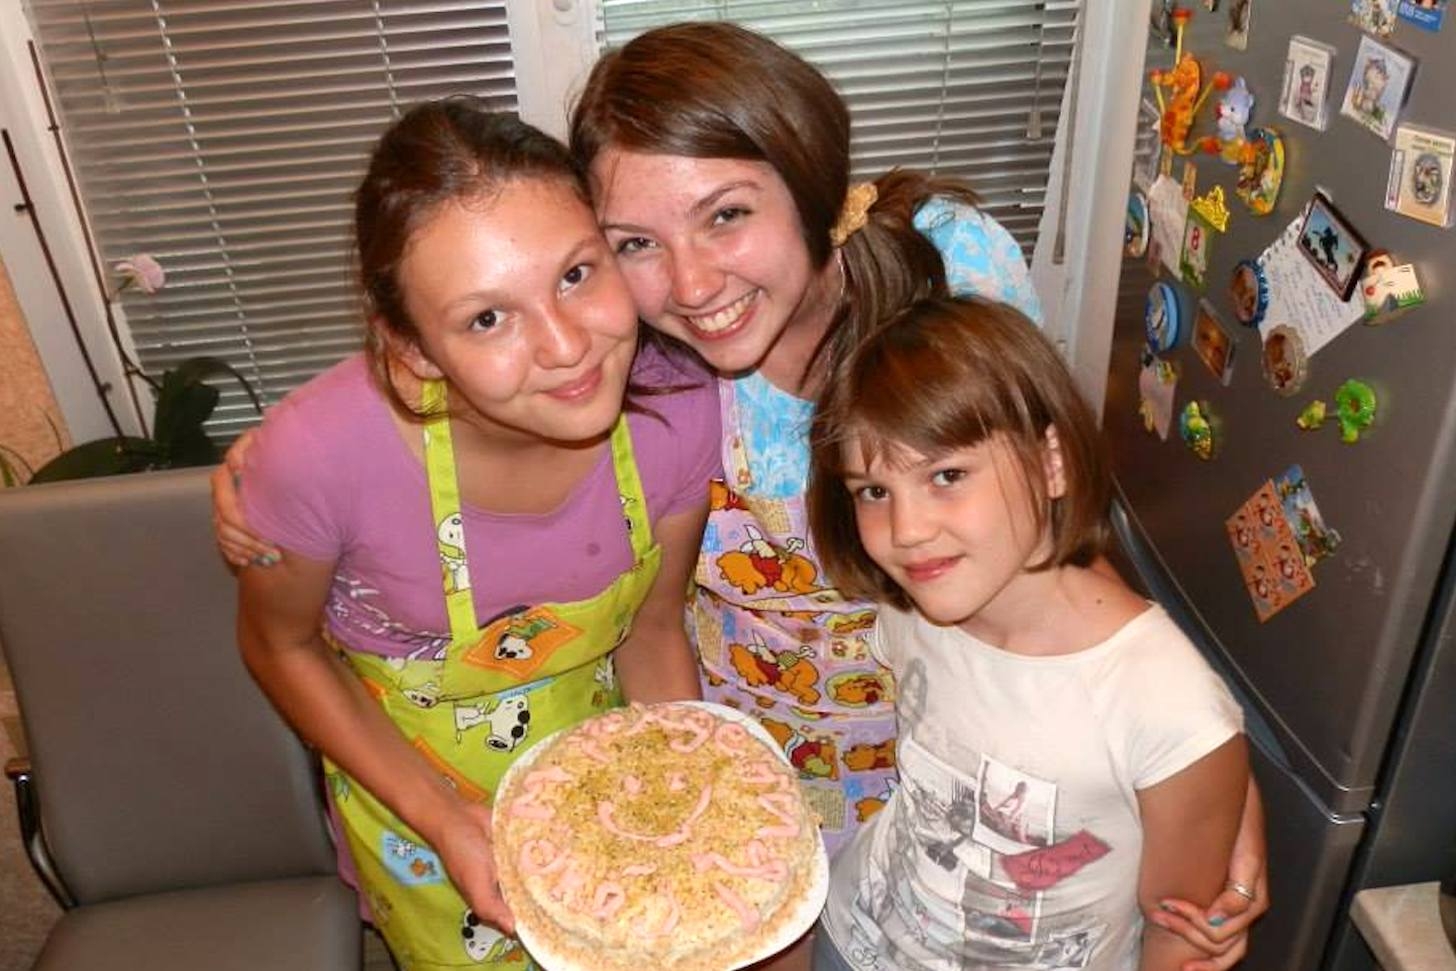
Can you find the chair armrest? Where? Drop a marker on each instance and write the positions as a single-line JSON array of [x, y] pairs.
[[27, 805]]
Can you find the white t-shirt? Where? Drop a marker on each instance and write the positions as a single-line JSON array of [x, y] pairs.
[[1013, 840]]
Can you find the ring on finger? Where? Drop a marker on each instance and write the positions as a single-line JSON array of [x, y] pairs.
[[1243, 890]]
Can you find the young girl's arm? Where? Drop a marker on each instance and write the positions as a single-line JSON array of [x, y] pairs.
[[279, 613], [1189, 823], [655, 662], [1222, 931]]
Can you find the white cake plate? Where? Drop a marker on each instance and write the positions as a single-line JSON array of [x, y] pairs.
[[802, 918]]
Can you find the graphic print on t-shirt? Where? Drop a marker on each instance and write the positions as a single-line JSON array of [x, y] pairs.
[[992, 852]]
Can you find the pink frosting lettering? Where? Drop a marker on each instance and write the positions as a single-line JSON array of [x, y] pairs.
[[540, 857], [781, 806], [608, 899], [747, 916]]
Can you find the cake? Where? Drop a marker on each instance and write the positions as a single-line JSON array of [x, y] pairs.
[[659, 836]]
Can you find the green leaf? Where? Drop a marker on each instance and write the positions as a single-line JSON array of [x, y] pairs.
[[183, 405], [105, 456], [195, 370]]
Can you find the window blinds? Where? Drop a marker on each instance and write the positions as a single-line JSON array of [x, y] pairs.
[[971, 88], [225, 139]]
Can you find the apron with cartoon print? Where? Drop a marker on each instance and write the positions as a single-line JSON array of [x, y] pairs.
[[778, 641], [473, 706]]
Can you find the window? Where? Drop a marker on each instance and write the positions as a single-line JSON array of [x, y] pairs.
[[225, 139], [970, 88]]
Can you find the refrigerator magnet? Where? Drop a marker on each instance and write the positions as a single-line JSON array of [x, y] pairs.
[[1379, 83], [1240, 20], [1157, 382], [1388, 290], [1316, 540], [1231, 114], [1137, 227], [1285, 363], [1332, 246], [1212, 344], [1312, 417], [1197, 428], [1162, 320], [1355, 407], [1373, 16], [1249, 291], [1419, 185], [1304, 96], [1425, 14], [1193, 264], [1261, 170]]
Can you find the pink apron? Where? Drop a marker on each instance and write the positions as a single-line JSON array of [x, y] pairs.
[[778, 641]]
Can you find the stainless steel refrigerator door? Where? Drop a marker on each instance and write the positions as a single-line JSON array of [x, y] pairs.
[[1330, 668]]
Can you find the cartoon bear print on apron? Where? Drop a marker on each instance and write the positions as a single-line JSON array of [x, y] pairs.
[[778, 641], [471, 707]]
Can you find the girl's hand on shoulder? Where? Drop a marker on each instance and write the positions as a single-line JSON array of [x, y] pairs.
[[238, 546], [468, 852]]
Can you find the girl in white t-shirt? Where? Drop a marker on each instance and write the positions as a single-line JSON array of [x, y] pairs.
[[1067, 759]]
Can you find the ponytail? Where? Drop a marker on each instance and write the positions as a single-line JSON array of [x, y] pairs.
[[887, 263]]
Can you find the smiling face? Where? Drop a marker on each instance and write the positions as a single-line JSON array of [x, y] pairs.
[[526, 317], [956, 532], [714, 254]]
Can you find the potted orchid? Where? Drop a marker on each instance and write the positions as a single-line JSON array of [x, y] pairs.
[[184, 402]]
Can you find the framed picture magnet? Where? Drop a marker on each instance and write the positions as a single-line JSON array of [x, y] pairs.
[[1332, 246], [1162, 318], [1285, 364], [1306, 89], [1249, 292], [1261, 170], [1138, 227], [1212, 343], [1197, 239], [1379, 83], [1420, 174]]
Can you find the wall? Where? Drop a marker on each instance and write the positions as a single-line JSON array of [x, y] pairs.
[[30, 419]]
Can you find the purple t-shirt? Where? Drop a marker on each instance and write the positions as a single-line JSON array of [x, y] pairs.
[[330, 478]]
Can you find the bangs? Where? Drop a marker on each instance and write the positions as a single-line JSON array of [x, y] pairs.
[[915, 392]]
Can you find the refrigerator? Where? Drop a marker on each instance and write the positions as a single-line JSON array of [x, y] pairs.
[[1349, 689]]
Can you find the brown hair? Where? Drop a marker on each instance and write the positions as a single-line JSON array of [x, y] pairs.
[[437, 152], [946, 374], [718, 90]]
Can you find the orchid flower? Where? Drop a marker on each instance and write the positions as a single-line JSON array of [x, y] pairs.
[[140, 271]]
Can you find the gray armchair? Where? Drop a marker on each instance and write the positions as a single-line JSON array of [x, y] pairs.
[[165, 804]]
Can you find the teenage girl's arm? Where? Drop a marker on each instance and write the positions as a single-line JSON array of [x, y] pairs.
[[279, 613], [655, 662], [1189, 824]]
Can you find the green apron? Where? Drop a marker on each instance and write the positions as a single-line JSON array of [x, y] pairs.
[[476, 705]]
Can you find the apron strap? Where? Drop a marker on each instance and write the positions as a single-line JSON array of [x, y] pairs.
[[629, 487], [440, 471], [444, 504]]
